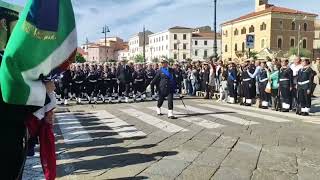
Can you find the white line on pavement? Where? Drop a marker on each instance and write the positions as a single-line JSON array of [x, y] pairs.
[[196, 120], [67, 136], [163, 125], [246, 113], [124, 129], [224, 117]]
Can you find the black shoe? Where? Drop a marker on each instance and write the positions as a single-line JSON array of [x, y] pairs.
[[172, 117], [305, 114], [160, 114], [285, 110]]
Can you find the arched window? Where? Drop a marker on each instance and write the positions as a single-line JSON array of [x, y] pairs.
[[236, 47], [236, 32], [279, 43], [243, 47], [281, 24], [251, 29], [293, 26], [243, 30], [226, 48], [304, 44], [263, 26], [226, 33], [305, 26], [262, 43], [292, 42]]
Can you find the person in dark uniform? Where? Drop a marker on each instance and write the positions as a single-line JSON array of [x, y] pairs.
[[108, 79], [304, 85], [167, 86], [100, 84], [91, 87], [285, 85], [114, 83], [78, 82], [179, 77], [232, 81], [263, 77], [124, 80], [247, 85], [66, 78], [150, 73], [205, 79], [139, 83]]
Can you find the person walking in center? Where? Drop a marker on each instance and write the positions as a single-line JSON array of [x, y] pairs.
[[167, 86]]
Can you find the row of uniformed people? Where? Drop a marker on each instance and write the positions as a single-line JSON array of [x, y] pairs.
[[293, 90], [107, 82]]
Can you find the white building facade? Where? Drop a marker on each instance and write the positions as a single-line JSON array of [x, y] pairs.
[[136, 44], [202, 45]]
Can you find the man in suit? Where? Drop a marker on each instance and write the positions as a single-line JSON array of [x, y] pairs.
[[167, 85]]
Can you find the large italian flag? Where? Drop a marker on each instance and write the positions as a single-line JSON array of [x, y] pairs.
[[43, 40]]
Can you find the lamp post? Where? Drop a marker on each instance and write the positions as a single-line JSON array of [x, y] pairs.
[[178, 44], [215, 49], [105, 30]]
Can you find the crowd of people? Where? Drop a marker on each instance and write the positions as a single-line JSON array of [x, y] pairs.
[[274, 83]]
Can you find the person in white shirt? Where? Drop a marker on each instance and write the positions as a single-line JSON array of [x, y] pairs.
[[295, 67]]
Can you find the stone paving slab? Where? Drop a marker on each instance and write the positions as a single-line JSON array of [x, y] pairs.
[[197, 172], [213, 156], [228, 173], [273, 175], [183, 155], [225, 142], [167, 167]]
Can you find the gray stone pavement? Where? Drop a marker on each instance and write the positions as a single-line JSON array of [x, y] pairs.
[[106, 147]]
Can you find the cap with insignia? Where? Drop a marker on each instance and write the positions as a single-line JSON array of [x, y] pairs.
[[164, 60]]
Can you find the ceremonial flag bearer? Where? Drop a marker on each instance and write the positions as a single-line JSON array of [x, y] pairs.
[[167, 86]]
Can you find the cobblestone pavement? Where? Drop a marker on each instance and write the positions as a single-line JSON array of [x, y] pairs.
[[209, 140]]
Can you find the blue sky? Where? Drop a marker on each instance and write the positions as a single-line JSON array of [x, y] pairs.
[[126, 17]]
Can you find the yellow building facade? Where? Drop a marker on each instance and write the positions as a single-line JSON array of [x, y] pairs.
[[275, 28]]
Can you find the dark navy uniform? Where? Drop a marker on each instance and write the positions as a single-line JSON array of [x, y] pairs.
[[304, 84], [66, 79], [263, 81], [91, 87], [166, 88], [78, 82], [150, 74], [179, 78], [232, 82], [139, 82], [285, 87], [248, 87], [124, 77]]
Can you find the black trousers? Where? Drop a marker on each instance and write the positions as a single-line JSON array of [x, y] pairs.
[[263, 95], [139, 87], [78, 89], [124, 88], [304, 99], [92, 89], [248, 89], [65, 91], [285, 94], [152, 86], [13, 151], [170, 101], [232, 88]]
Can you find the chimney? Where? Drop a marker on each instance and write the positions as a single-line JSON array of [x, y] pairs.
[[261, 5]]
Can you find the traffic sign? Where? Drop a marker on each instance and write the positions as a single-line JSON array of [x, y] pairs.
[[250, 41]]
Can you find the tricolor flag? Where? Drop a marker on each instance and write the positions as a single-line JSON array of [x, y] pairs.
[[43, 39]]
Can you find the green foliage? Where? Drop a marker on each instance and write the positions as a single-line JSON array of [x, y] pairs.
[[303, 52], [171, 61], [253, 54], [80, 58], [139, 58], [155, 60]]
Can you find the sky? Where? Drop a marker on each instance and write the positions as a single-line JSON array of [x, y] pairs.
[[127, 17]]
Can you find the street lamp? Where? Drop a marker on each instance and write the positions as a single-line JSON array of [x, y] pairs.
[[215, 49], [178, 44], [105, 30]]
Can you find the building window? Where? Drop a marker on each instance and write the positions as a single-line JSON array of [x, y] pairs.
[[236, 47], [243, 47], [304, 43], [292, 43], [263, 27], [184, 56], [166, 47], [226, 48], [305, 26], [262, 43], [196, 43], [166, 37], [293, 26], [184, 46], [196, 52], [251, 29], [243, 30], [205, 53], [175, 36], [175, 56], [175, 46], [205, 43], [279, 43], [236, 32], [162, 48], [184, 36], [226, 33], [281, 24]]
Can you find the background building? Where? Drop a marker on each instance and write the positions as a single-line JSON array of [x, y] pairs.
[[316, 43], [136, 43], [275, 28]]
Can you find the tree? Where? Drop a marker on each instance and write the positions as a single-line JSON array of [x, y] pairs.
[[253, 54], [139, 58], [155, 60], [80, 58], [171, 61], [303, 52]]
